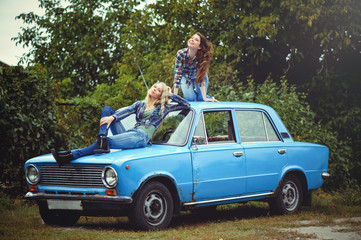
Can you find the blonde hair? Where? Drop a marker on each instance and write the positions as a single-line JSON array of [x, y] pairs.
[[163, 100]]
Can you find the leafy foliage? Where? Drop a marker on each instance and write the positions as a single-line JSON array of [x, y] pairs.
[[337, 99], [80, 41], [27, 121]]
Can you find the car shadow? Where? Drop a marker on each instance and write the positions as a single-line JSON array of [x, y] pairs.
[[184, 219], [105, 223], [240, 211]]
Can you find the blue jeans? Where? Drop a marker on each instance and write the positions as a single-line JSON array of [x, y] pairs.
[[191, 93], [121, 139]]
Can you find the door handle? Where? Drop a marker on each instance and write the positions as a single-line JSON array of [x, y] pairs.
[[238, 154], [282, 151]]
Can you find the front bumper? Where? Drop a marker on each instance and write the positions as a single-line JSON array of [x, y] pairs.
[[326, 175], [83, 198]]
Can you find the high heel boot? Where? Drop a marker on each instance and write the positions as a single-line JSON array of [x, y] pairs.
[[62, 157], [102, 145]]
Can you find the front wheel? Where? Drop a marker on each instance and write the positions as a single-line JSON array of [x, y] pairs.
[[57, 217], [153, 207], [289, 197]]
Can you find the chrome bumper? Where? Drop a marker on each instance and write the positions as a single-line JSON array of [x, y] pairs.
[[325, 175], [85, 198]]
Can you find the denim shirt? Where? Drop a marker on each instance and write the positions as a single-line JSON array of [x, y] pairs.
[[157, 116]]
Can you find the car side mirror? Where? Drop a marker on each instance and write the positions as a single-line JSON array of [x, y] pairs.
[[197, 140], [195, 143]]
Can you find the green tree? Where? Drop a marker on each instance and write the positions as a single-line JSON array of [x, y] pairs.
[[80, 41], [337, 100], [27, 122]]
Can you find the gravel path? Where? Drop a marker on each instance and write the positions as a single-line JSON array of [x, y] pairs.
[[342, 229]]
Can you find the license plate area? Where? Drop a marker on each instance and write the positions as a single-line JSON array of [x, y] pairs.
[[64, 204]]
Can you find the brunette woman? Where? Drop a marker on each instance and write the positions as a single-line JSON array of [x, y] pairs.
[[191, 68]]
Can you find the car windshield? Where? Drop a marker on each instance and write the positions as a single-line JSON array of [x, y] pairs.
[[174, 129]]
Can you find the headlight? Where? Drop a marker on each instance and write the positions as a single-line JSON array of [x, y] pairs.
[[32, 175], [109, 177]]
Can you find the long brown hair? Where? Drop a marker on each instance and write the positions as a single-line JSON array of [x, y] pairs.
[[204, 56]]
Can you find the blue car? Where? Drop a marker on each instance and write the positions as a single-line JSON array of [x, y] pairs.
[[208, 155]]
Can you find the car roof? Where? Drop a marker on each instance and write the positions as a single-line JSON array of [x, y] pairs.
[[207, 105], [198, 106]]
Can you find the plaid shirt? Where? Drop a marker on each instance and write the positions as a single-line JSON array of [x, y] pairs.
[[184, 67], [157, 116]]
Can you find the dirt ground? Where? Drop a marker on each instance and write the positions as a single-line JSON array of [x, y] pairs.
[[340, 229]]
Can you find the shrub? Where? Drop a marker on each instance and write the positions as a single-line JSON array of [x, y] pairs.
[[27, 122]]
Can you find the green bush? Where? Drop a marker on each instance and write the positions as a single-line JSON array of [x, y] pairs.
[[27, 122]]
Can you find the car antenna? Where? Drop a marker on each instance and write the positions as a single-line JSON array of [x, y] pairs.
[[140, 70]]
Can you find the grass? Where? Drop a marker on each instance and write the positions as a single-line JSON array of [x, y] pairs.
[[20, 220]]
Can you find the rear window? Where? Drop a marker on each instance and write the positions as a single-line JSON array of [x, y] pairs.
[[254, 126]]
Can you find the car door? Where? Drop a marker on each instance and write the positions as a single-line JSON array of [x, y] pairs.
[[265, 154], [218, 161]]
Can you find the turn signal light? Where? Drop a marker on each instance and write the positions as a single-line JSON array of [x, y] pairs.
[[33, 188], [111, 192]]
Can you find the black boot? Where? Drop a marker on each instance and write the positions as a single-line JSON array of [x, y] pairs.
[[102, 145], [62, 157]]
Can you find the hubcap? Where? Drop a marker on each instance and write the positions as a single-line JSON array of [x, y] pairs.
[[290, 196], [154, 209]]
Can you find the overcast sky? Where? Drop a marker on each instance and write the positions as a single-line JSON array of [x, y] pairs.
[[9, 27]]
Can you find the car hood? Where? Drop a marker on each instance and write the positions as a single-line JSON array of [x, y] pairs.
[[118, 155]]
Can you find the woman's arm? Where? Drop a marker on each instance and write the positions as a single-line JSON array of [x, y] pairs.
[[182, 103], [204, 94], [178, 69], [119, 114]]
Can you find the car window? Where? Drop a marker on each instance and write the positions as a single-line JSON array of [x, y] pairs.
[[254, 126], [128, 123], [200, 133], [215, 127], [174, 128]]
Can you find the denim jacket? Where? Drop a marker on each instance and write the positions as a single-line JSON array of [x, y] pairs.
[[157, 116]]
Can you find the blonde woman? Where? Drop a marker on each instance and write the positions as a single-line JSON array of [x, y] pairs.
[[149, 114]]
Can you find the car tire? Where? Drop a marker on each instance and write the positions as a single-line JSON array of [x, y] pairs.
[[289, 197], [153, 207], [56, 217]]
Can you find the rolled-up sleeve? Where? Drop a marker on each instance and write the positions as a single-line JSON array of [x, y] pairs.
[[125, 112], [182, 103], [178, 68]]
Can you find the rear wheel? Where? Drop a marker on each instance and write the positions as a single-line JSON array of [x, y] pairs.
[[153, 207], [289, 196], [57, 217]]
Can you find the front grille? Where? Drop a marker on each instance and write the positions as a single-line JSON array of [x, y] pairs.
[[71, 176]]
